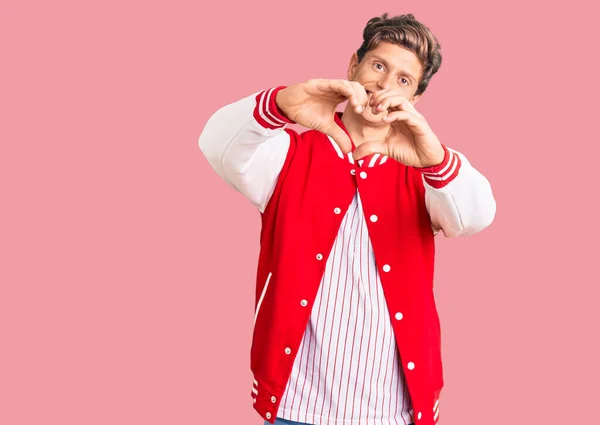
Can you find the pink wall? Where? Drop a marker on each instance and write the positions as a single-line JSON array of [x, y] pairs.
[[127, 267]]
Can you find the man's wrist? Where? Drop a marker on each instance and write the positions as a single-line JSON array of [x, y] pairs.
[[276, 106], [442, 174]]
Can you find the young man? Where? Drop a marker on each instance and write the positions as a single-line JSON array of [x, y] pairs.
[[346, 329]]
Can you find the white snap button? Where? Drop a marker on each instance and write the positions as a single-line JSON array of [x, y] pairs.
[[386, 268], [353, 172], [374, 218], [399, 316], [363, 174], [319, 257], [273, 399], [411, 365], [303, 303], [288, 350], [337, 210], [419, 415], [268, 415]]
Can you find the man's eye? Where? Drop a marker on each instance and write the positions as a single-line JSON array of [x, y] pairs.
[[407, 82], [378, 64]]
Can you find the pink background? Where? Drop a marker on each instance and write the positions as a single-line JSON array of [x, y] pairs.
[[127, 267]]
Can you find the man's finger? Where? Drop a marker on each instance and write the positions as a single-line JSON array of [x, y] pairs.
[[409, 119], [379, 96], [337, 86], [355, 93], [361, 97], [367, 148]]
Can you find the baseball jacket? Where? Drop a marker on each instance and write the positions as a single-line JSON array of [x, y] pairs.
[[302, 185]]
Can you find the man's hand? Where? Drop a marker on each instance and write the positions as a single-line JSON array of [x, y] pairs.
[[410, 139], [313, 104]]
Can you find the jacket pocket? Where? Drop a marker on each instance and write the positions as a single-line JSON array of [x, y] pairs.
[[262, 296]]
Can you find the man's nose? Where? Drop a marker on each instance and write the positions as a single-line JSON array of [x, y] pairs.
[[385, 82]]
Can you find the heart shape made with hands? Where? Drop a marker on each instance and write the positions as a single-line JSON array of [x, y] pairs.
[[409, 140]]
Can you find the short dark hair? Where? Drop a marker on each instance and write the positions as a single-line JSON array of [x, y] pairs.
[[407, 32]]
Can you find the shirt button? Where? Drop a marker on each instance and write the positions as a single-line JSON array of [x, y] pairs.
[[411, 365], [273, 399], [353, 171], [399, 316], [303, 303], [268, 415], [319, 257], [337, 210], [363, 174], [419, 415], [374, 218], [386, 268], [288, 350]]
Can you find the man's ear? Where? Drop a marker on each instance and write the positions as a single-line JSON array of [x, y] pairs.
[[352, 65], [416, 98]]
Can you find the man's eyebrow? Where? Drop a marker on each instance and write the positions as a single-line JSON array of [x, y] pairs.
[[404, 73]]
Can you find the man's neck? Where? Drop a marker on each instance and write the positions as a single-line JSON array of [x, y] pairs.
[[361, 130]]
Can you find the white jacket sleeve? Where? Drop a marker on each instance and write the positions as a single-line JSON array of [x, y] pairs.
[[246, 144], [459, 198]]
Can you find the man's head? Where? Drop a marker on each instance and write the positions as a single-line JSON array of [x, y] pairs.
[[397, 53]]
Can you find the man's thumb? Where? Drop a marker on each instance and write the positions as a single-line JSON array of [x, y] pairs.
[[339, 137], [367, 148]]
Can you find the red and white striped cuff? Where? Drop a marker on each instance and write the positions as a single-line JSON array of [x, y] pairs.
[[440, 175], [266, 111]]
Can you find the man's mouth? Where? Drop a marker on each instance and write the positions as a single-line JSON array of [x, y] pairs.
[[370, 95]]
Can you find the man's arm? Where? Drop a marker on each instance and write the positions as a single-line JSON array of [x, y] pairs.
[[246, 143], [459, 198]]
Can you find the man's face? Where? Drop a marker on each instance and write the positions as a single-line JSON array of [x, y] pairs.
[[388, 66]]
